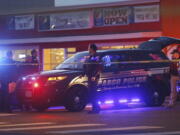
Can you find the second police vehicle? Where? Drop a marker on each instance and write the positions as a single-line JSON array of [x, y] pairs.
[[127, 76]]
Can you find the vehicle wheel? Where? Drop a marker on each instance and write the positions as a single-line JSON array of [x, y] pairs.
[[76, 99], [154, 95]]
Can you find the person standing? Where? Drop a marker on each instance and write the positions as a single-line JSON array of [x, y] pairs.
[[8, 76], [34, 55], [92, 70], [174, 78]]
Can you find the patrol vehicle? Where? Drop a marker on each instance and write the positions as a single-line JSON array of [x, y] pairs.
[[127, 76]]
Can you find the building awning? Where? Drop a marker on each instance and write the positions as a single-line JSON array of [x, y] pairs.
[[82, 38]]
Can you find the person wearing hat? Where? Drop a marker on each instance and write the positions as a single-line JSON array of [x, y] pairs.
[[92, 70]]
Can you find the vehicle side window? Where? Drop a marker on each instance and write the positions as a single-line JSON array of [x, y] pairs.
[[131, 59], [155, 56], [111, 62], [74, 62], [159, 57]]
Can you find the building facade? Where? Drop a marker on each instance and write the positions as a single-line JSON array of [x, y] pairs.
[[60, 31]]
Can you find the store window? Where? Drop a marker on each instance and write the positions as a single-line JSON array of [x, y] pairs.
[[53, 56], [19, 55]]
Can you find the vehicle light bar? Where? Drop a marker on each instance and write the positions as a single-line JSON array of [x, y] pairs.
[[135, 100], [109, 102], [123, 101]]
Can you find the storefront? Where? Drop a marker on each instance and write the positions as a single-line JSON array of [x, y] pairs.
[[54, 56], [60, 33], [20, 53]]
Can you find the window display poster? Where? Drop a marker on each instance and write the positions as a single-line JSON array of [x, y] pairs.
[[24, 22], [146, 13], [44, 22], [70, 20], [10, 22]]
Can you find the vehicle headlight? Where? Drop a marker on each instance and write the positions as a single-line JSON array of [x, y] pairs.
[[58, 78], [24, 78]]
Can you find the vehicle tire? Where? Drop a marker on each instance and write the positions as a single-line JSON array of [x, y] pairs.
[[154, 95], [76, 99]]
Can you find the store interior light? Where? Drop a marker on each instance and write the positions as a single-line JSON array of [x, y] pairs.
[[22, 56]]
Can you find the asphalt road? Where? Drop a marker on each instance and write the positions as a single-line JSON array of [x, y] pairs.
[[125, 121]]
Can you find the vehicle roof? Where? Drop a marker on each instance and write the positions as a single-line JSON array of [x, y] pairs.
[[123, 50]]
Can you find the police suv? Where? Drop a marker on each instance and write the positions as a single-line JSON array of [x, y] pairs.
[[127, 76]]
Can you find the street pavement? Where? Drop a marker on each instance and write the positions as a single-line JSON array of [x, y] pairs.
[[138, 120]]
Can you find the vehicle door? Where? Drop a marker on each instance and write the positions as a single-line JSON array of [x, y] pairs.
[[122, 70], [110, 68]]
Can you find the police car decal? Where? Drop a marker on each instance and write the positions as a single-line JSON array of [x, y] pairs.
[[123, 81], [126, 79]]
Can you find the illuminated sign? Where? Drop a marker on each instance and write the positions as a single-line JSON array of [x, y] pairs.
[[112, 16], [60, 3]]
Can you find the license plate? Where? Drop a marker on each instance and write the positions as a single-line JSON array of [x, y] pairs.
[[28, 94]]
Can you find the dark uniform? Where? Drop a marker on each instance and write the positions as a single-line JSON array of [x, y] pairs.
[[34, 56], [91, 69], [8, 74]]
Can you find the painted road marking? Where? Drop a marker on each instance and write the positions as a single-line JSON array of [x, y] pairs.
[[6, 114], [26, 124], [154, 133], [50, 127], [104, 129], [2, 123]]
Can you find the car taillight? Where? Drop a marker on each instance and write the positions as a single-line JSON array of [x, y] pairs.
[[36, 85]]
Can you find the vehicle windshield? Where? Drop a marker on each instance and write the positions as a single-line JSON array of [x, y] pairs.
[[73, 63]]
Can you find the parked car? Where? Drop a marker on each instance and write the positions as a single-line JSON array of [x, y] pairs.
[[130, 75]]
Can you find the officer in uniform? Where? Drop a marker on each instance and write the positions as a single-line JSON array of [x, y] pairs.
[[91, 70], [8, 76]]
